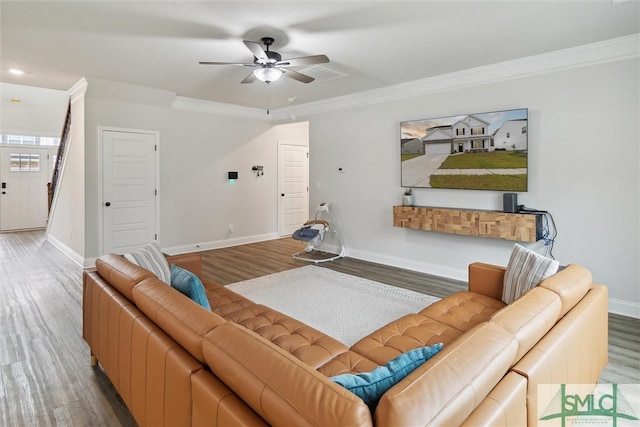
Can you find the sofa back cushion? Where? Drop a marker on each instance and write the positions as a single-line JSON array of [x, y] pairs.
[[453, 382], [280, 388], [121, 274], [573, 352], [463, 310], [182, 319], [530, 317], [571, 284]]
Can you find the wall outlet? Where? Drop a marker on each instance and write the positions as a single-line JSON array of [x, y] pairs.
[[230, 227]]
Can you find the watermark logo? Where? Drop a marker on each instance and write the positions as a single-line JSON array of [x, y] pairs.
[[583, 404]]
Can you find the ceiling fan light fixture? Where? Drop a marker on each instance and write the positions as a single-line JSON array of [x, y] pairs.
[[267, 74]]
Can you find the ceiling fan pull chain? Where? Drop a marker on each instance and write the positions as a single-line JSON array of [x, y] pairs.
[[269, 90]]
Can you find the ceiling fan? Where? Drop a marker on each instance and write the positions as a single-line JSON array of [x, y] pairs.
[[269, 66]]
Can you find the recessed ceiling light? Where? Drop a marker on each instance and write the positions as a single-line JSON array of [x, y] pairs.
[[16, 72], [16, 100]]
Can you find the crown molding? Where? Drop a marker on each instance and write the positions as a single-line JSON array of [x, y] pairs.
[[78, 90], [210, 107], [613, 50]]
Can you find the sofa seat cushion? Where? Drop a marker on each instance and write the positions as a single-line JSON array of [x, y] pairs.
[[348, 362], [304, 342], [404, 334], [222, 300], [463, 310]]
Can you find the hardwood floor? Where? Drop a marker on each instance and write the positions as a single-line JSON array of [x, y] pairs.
[[45, 375], [230, 265]]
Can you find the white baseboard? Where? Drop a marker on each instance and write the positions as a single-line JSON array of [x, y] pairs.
[[624, 308], [616, 306], [422, 267], [75, 257], [217, 244]]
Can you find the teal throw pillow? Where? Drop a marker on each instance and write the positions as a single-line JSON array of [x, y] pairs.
[[370, 386], [188, 284]]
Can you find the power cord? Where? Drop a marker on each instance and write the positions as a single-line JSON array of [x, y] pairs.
[[549, 230]]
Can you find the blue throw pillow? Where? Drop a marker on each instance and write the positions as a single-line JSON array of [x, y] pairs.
[[188, 284], [370, 386]]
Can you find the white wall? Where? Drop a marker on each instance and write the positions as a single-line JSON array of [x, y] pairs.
[[66, 226], [583, 168], [41, 112], [197, 149]]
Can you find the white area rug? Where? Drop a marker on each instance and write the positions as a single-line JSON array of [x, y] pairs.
[[342, 306]]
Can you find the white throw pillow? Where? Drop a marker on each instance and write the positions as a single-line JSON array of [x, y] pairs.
[[525, 270], [150, 256]]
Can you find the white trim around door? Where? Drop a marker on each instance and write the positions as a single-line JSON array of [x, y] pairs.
[[152, 213]]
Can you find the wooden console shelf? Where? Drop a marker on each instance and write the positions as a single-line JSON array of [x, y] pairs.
[[468, 222]]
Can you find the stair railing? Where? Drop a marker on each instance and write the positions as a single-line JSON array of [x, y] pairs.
[[57, 167]]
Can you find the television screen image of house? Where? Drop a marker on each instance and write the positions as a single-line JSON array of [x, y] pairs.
[[480, 151]]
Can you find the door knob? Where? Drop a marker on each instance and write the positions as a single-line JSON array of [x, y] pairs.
[[282, 194], [107, 204]]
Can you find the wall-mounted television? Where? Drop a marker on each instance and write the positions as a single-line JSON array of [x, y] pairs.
[[480, 151]]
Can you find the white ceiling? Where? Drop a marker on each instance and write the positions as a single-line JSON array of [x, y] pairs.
[[375, 43]]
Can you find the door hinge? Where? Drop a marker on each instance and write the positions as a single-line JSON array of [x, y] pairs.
[[155, 192], [155, 147], [307, 154], [155, 237]]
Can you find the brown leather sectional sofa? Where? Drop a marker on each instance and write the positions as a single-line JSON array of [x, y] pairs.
[[175, 363]]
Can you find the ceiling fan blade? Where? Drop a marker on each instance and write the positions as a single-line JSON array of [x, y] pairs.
[[225, 63], [249, 79], [304, 60], [298, 76], [257, 51]]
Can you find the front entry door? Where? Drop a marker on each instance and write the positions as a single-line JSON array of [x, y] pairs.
[[129, 190], [293, 186], [23, 193]]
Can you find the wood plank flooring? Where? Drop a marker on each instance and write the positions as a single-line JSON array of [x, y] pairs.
[[45, 376]]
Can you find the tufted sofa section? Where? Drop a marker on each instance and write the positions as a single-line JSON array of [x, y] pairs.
[[242, 363], [443, 321]]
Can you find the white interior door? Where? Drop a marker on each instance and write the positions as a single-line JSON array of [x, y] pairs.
[[129, 190], [293, 186], [24, 175]]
